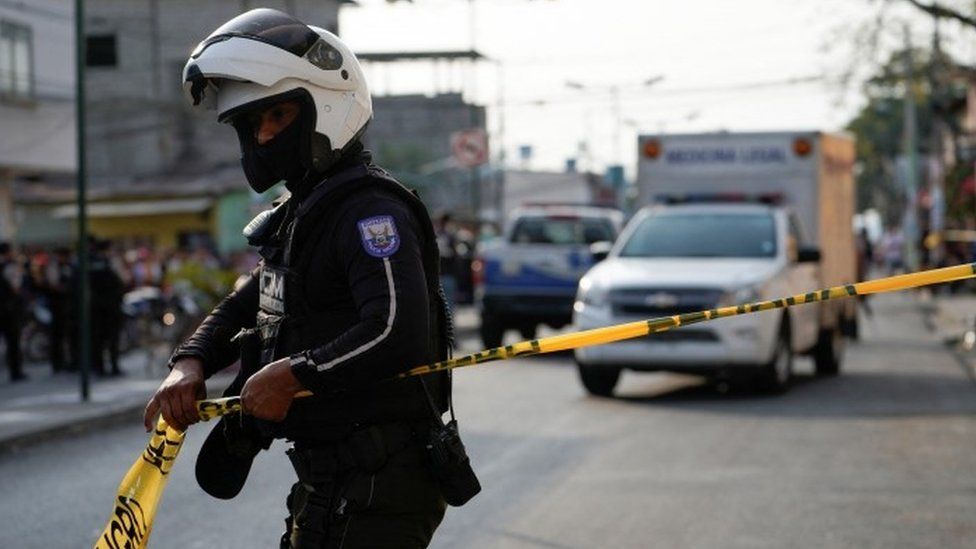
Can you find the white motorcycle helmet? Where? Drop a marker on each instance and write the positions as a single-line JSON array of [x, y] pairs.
[[264, 56]]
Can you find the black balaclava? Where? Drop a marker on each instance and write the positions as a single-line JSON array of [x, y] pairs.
[[298, 155], [281, 158]]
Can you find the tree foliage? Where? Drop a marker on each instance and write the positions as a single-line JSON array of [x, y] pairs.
[[879, 128], [945, 11]]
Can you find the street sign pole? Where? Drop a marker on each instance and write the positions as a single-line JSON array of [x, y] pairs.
[[470, 149], [476, 195], [83, 297], [910, 147]]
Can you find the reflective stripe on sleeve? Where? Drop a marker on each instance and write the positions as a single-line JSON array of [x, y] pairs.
[[372, 343]]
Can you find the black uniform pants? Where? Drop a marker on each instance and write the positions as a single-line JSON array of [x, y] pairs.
[[10, 327], [59, 331], [396, 506], [106, 324]]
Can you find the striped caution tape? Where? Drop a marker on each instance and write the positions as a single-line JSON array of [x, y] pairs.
[[212, 408], [140, 491]]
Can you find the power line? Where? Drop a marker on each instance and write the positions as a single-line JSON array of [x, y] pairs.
[[653, 94]]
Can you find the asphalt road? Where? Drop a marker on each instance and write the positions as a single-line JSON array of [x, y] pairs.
[[882, 456]]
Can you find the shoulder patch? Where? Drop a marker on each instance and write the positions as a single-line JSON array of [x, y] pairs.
[[379, 235]]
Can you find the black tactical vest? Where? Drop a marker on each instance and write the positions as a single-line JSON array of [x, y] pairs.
[[287, 325]]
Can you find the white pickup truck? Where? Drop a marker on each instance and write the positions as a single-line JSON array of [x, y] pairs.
[[734, 218]]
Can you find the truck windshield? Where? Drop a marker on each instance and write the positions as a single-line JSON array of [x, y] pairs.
[[712, 235], [562, 230]]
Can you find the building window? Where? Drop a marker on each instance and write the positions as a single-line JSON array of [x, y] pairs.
[[16, 56], [100, 51]]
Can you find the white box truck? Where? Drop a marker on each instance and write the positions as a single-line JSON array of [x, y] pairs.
[[728, 218]]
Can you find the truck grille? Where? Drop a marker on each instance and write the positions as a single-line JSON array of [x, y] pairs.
[[655, 302]]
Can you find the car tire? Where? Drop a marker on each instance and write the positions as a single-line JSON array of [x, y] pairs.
[[775, 376], [492, 332], [829, 352], [599, 381], [528, 332], [851, 327]]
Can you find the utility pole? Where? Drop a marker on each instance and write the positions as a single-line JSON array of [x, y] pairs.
[[937, 87], [473, 119], [910, 150], [615, 107], [83, 297], [499, 172]]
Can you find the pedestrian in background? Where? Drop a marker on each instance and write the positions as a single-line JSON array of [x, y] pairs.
[[865, 258], [107, 290], [447, 244], [11, 309], [892, 249], [59, 273]]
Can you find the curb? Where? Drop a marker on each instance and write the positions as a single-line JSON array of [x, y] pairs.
[[939, 322], [117, 415], [127, 410]]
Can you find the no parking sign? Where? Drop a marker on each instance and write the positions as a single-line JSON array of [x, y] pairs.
[[470, 147]]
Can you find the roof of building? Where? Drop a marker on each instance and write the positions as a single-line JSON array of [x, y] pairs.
[[136, 208], [439, 55], [64, 190]]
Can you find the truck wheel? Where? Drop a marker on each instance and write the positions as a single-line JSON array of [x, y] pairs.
[[527, 332], [598, 381], [851, 327], [492, 332], [829, 352], [775, 375]]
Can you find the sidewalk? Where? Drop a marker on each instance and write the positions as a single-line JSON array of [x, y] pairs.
[[48, 405], [953, 318], [951, 315]]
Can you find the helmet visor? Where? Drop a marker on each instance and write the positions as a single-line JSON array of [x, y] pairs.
[[264, 25]]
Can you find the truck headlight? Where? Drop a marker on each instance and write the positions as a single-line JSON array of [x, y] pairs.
[[740, 296]]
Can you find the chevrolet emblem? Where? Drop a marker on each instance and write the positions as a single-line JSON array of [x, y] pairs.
[[661, 300]]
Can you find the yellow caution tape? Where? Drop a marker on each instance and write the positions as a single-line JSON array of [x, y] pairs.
[[212, 408], [140, 490]]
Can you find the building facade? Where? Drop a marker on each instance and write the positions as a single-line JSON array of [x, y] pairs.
[[138, 123], [37, 90], [159, 172], [411, 135]]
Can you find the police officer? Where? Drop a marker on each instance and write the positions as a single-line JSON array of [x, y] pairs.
[[11, 309], [346, 297], [107, 289], [59, 274]]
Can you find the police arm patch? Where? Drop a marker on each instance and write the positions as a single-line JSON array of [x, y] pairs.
[[379, 235]]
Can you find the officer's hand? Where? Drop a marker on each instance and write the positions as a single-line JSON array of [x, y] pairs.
[[177, 396], [268, 393]]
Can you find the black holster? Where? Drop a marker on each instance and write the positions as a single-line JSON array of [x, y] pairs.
[[309, 516], [450, 465], [447, 457]]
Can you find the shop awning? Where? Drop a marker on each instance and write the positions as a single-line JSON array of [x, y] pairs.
[[136, 208]]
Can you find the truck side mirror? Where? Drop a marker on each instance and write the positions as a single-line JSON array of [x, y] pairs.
[[808, 254], [600, 250]]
